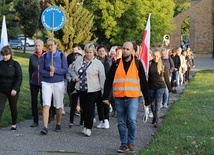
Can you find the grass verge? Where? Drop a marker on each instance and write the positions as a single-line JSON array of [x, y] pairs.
[[188, 128]]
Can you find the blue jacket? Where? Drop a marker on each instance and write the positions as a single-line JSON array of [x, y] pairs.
[[34, 67], [60, 64]]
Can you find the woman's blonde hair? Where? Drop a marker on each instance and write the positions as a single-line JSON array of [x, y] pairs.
[[160, 68]]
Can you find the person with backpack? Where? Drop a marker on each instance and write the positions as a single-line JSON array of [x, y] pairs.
[[128, 83], [10, 82], [53, 67]]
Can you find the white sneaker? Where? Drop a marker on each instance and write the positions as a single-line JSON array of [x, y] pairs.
[[63, 111], [100, 125], [106, 124], [88, 132], [161, 105], [165, 105], [150, 114], [84, 131]]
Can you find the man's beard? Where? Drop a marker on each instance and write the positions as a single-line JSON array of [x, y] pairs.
[[126, 57]]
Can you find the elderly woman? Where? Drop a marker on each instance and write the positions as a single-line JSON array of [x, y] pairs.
[[10, 82], [89, 85]]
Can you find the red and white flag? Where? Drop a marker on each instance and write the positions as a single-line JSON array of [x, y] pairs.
[[4, 38], [145, 46]]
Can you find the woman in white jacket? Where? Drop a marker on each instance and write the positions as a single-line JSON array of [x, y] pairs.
[[89, 85]]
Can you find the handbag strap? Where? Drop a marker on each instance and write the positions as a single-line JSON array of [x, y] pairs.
[[85, 69]]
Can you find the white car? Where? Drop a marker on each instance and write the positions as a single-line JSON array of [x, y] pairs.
[[29, 41]]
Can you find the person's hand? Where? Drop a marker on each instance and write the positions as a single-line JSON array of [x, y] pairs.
[[51, 74], [77, 79], [106, 101], [13, 92], [52, 69], [146, 113]]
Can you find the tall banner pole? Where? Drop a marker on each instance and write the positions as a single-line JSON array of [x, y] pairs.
[[53, 36]]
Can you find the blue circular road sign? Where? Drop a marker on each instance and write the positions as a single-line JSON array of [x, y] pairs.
[[53, 18]]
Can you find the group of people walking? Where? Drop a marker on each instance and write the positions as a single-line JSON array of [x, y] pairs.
[[101, 79]]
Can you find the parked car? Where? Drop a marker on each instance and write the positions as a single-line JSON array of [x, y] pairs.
[[15, 44], [29, 41]]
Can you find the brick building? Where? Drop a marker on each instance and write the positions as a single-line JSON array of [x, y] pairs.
[[201, 37]]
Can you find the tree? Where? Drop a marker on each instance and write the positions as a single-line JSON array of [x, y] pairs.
[[11, 18], [106, 13], [29, 13], [117, 21], [78, 25]]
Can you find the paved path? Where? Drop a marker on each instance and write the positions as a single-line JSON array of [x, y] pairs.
[[28, 141]]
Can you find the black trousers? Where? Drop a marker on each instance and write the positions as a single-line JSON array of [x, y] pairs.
[[87, 102], [12, 103], [34, 90], [102, 109], [74, 100]]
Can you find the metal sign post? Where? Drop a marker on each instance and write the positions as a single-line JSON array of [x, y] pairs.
[[53, 19]]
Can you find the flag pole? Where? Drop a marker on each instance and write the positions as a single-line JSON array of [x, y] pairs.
[[4, 37]]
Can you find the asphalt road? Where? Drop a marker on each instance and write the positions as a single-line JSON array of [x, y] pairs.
[[29, 141]]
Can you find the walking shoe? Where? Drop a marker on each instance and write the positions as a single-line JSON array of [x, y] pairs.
[[34, 125], [106, 124], [150, 114], [131, 148], [77, 113], [70, 125], [100, 125], [44, 131], [58, 128], [161, 105], [165, 105], [122, 149], [88, 132], [63, 112], [13, 128], [156, 125], [84, 131]]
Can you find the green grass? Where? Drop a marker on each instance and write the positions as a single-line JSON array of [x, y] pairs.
[[188, 128]]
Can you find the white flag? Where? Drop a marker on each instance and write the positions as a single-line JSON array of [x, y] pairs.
[[4, 38]]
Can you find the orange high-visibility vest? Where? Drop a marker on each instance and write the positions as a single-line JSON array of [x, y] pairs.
[[126, 85]]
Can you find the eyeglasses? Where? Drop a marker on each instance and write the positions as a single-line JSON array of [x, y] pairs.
[[50, 45]]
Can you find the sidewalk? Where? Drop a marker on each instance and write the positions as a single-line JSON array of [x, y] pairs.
[[29, 141]]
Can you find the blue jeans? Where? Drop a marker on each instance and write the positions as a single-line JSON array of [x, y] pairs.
[[156, 99], [166, 96], [127, 119]]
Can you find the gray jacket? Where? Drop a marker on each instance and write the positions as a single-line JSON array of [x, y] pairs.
[[95, 74]]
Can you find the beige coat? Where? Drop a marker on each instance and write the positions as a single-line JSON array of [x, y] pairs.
[[95, 74]]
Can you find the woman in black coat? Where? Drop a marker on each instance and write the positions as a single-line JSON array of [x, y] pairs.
[[10, 82]]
